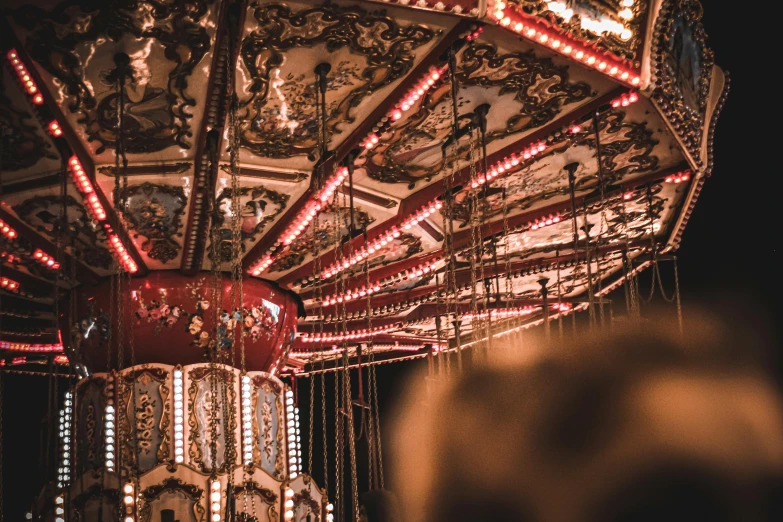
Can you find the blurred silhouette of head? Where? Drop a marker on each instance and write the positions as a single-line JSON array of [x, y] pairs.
[[642, 425]]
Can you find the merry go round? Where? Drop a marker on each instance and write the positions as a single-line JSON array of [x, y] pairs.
[[205, 203]]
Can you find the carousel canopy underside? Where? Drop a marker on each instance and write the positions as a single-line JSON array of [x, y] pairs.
[[651, 89]]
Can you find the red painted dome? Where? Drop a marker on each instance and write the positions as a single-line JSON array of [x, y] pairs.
[[172, 321]]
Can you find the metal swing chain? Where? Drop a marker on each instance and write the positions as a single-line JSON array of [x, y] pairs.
[[370, 359], [559, 297], [603, 225], [347, 396], [630, 279], [589, 269], [479, 219], [473, 248], [450, 280]]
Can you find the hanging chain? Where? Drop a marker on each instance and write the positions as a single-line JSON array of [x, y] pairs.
[[474, 248], [559, 297], [630, 279]]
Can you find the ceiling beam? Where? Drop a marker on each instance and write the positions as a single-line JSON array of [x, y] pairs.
[[207, 156]]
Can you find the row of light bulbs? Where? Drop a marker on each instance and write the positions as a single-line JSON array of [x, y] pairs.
[[247, 421], [110, 423], [66, 415], [292, 432], [179, 419], [378, 243], [566, 45]]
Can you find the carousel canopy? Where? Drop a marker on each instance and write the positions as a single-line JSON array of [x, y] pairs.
[[555, 140]]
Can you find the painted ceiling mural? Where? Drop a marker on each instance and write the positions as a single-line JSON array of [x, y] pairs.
[[260, 206], [526, 90], [367, 50], [154, 218], [159, 104]]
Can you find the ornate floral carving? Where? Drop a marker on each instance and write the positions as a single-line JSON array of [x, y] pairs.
[[89, 242], [530, 88], [157, 110], [142, 412], [154, 211], [270, 130], [260, 206], [201, 436], [172, 485], [251, 488]]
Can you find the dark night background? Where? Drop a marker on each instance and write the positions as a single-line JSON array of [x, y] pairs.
[[728, 261]]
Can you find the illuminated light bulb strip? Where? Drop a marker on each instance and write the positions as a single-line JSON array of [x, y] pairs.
[[510, 162], [55, 129], [501, 313], [24, 77], [129, 501], [179, 416], [416, 92], [9, 284], [64, 471], [298, 440], [288, 504], [679, 177], [59, 509], [7, 230], [329, 514], [350, 335], [45, 259], [215, 498], [247, 421], [110, 424], [356, 293], [84, 186], [625, 100], [61, 359], [26, 347], [304, 217], [544, 221], [291, 434], [380, 242], [566, 46], [122, 255]]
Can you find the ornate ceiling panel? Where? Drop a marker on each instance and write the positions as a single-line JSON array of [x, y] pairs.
[[620, 219], [74, 44], [368, 51], [40, 210], [27, 148], [633, 143], [524, 87], [263, 202]]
